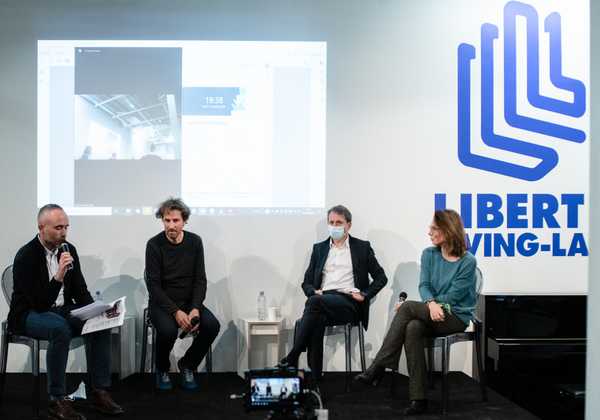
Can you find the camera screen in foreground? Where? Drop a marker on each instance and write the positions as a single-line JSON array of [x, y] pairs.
[[269, 391]]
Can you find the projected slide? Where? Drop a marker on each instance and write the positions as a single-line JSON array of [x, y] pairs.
[[232, 127]]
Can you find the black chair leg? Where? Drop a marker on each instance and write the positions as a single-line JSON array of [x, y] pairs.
[[153, 360], [35, 369], [144, 343], [394, 375], [480, 368], [430, 365], [3, 360], [296, 324], [445, 366], [209, 359], [361, 342], [348, 336]]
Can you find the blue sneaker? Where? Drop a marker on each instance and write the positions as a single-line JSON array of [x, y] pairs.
[[163, 381], [188, 381]]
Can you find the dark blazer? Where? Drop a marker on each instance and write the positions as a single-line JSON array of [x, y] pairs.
[[32, 289], [363, 264]]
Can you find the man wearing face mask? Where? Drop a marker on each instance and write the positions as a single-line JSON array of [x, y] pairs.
[[337, 286]]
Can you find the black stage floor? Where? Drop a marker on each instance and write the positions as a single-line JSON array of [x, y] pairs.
[[212, 401]]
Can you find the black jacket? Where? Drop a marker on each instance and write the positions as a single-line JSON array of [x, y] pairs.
[[363, 264], [32, 289]]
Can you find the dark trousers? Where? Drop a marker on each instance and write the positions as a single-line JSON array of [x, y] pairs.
[[410, 326], [320, 311], [58, 327], [167, 331]]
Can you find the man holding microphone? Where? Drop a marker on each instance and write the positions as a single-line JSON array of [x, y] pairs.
[[48, 284]]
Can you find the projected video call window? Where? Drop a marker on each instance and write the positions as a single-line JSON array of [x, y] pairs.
[[231, 127]]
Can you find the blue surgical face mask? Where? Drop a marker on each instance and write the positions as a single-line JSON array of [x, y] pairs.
[[336, 232]]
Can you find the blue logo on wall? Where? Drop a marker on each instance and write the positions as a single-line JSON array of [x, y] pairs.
[[547, 156]]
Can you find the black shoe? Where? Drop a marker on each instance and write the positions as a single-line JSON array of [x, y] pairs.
[[371, 376], [286, 363], [415, 407]]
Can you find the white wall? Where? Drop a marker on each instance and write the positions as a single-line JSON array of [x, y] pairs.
[[241, 258], [592, 409], [389, 97]]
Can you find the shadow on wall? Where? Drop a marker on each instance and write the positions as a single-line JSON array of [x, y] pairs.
[[111, 288], [293, 298], [249, 276], [218, 300], [405, 279], [401, 254]]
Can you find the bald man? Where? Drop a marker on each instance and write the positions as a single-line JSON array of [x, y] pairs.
[[48, 284]]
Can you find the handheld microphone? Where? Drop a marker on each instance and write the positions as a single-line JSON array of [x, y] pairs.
[[64, 247], [401, 298], [194, 321]]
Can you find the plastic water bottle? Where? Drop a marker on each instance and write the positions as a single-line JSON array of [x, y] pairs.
[[98, 297], [262, 306]]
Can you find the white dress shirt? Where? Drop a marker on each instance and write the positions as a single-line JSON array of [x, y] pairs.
[[52, 265], [337, 272]]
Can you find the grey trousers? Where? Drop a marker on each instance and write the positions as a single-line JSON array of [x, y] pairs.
[[409, 328]]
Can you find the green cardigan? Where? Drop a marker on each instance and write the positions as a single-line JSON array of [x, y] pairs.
[[451, 283]]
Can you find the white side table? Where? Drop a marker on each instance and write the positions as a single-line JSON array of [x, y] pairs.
[[252, 327], [123, 347]]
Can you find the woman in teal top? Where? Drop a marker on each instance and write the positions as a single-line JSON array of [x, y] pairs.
[[447, 288]]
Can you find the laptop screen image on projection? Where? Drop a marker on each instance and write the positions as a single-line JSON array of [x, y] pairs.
[[230, 126]]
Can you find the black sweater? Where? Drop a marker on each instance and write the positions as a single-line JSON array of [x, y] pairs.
[[175, 273]]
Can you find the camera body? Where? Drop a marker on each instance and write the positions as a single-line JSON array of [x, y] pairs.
[[274, 389]]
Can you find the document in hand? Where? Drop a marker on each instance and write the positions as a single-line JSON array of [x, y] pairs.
[[111, 318], [89, 311]]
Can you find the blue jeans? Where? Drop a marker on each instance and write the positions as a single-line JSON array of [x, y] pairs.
[[58, 327]]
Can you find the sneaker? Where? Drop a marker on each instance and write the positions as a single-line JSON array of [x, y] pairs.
[[188, 381], [163, 381]]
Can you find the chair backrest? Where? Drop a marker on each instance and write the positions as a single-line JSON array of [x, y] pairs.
[[478, 288], [7, 283], [147, 286], [478, 281]]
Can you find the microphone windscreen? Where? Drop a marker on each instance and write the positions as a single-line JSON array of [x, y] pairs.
[[64, 247]]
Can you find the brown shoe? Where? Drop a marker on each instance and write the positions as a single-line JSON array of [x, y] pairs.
[[102, 402], [63, 410]]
